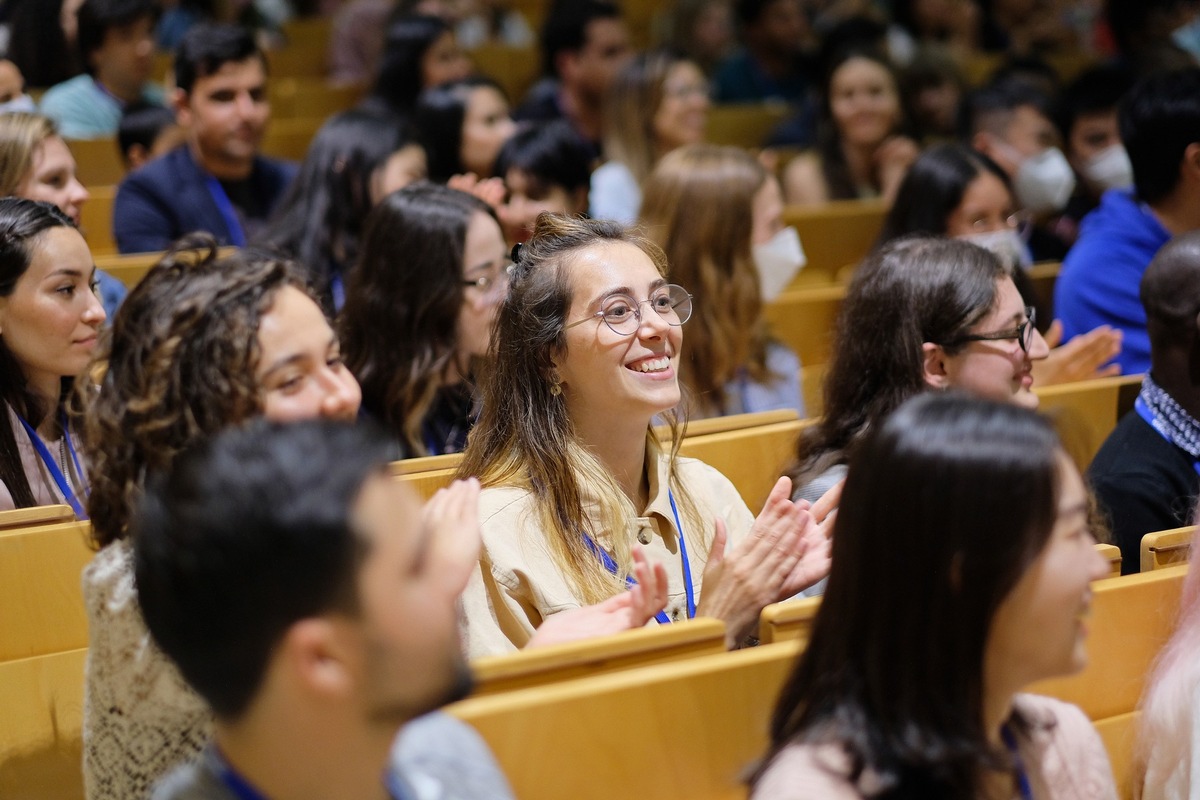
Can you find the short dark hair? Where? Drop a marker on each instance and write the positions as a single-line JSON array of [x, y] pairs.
[[439, 121], [749, 12], [208, 46], [993, 105], [1170, 291], [249, 532], [400, 79], [552, 153], [1159, 118], [141, 123], [565, 29], [1095, 91], [97, 17]]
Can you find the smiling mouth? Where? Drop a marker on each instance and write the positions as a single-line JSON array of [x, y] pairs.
[[650, 364]]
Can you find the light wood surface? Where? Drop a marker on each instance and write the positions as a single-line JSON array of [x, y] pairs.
[[834, 235], [1166, 548], [1084, 413], [41, 602]]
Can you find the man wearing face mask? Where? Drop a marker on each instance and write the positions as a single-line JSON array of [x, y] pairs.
[[1160, 127], [1009, 121]]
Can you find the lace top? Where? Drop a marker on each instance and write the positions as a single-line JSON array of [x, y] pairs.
[[140, 718]]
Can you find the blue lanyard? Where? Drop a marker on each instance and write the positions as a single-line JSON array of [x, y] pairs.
[[242, 789], [1018, 765], [1143, 410], [64, 485], [237, 237], [611, 565]]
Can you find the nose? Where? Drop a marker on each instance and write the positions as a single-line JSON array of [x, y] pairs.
[[78, 192], [1038, 349], [342, 393], [94, 313], [651, 324]]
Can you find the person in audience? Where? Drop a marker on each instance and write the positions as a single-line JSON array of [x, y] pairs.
[[35, 163], [355, 637], [1145, 473], [419, 52], [42, 40], [218, 183], [12, 89], [463, 125], [953, 28], [955, 191], [770, 65], [1166, 754], [717, 214], [962, 565], [356, 159], [584, 45], [412, 334], [116, 42], [1098, 285], [50, 318], [862, 150], [1152, 36], [920, 314], [577, 486], [657, 103], [147, 132], [545, 168], [703, 31], [201, 343], [933, 87], [357, 33]]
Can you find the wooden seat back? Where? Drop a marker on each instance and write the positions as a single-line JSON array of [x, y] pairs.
[[542, 666], [834, 234], [32, 517], [289, 138], [1085, 412], [97, 162], [514, 68], [752, 458], [805, 320], [95, 220], [41, 726], [745, 125], [1167, 548], [41, 601]]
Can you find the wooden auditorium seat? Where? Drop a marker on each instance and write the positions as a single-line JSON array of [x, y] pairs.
[[32, 517], [805, 319], [834, 235], [41, 600], [752, 458], [95, 220], [514, 68], [1085, 412], [745, 125], [97, 162], [1166, 548]]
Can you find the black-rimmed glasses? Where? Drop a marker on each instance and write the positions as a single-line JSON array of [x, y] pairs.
[[623, 315], [1023, 333]]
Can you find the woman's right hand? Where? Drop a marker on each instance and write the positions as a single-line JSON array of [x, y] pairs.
[[786, 551]]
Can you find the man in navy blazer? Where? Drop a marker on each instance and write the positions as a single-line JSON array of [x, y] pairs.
[[217, 182]]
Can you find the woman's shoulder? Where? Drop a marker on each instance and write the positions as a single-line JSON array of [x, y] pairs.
[[805, 771], [1066, 750]]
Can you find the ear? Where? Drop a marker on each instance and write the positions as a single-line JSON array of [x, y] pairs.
[[982, 141], [180, 102], [320, 654], [1190, 168], [137, 156], [934, 366]]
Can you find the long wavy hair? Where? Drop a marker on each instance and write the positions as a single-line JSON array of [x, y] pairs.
[[698, 206], [178, 363], [914, 290], [399, 327], [633, 100], [946, 505], [22, 222], [525, 436]]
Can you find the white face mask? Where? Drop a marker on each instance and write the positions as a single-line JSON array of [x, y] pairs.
[[1109, 169], [778, 260], [1006, 244], [1044, 181], [21, 102]]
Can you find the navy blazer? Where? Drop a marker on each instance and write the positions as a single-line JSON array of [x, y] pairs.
[[169, 197]]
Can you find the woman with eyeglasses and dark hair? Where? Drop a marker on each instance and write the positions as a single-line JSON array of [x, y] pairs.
[[921, 313], [577, 486], [962, 565], [953, 190], [420, 305]]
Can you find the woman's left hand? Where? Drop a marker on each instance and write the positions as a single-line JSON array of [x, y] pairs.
[[1080, 359]]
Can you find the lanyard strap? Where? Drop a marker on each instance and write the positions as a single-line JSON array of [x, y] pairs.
[[237, 237], [64, 485], [1018, 764], [243, 790], [1143, 411], [611, 565]]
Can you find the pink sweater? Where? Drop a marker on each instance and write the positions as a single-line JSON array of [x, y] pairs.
[[1063, 756]]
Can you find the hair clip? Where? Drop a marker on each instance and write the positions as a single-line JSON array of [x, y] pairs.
[[516, 252]]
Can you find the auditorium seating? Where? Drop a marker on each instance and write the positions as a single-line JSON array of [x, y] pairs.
[[744, 125], [834, 235], [96, 220], [1166, 548], [1085, 412], [41, 602]]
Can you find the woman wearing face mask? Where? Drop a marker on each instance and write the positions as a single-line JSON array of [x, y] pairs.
[[717, 214], [862, 150], [419, 310], [952, 190], [201, 343]]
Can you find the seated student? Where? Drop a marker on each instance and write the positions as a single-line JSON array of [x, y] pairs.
[[1167, 749], [412, 333], [35, 163], [962, 565], [49, 321], [12, 89], [717, 214], [1145, 474], [354, 638], [218, 183], [116, 42], [576, 484], [356, 159], [1160, 128], [770, 65], [463, 125], [200, 344], [955, 191], [545, 168], [147, 132], [920, 314], [419, 52]]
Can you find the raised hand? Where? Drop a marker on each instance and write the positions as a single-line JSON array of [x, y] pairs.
[[451, 518], [1082, 358]]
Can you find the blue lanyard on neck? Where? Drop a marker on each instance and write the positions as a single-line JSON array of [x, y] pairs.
[[243, 790], [237, 237], [64, 485], [1143, 411], [611, 565], [1018, 764]]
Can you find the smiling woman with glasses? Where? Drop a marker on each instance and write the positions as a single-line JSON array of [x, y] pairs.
[[579, 493], [420, 305]]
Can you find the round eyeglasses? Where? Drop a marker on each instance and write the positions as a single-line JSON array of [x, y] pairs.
[[1023, 333], [623, 315]]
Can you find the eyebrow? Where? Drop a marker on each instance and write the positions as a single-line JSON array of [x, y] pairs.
[[625, 290], [70, 273], [293, 358]]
